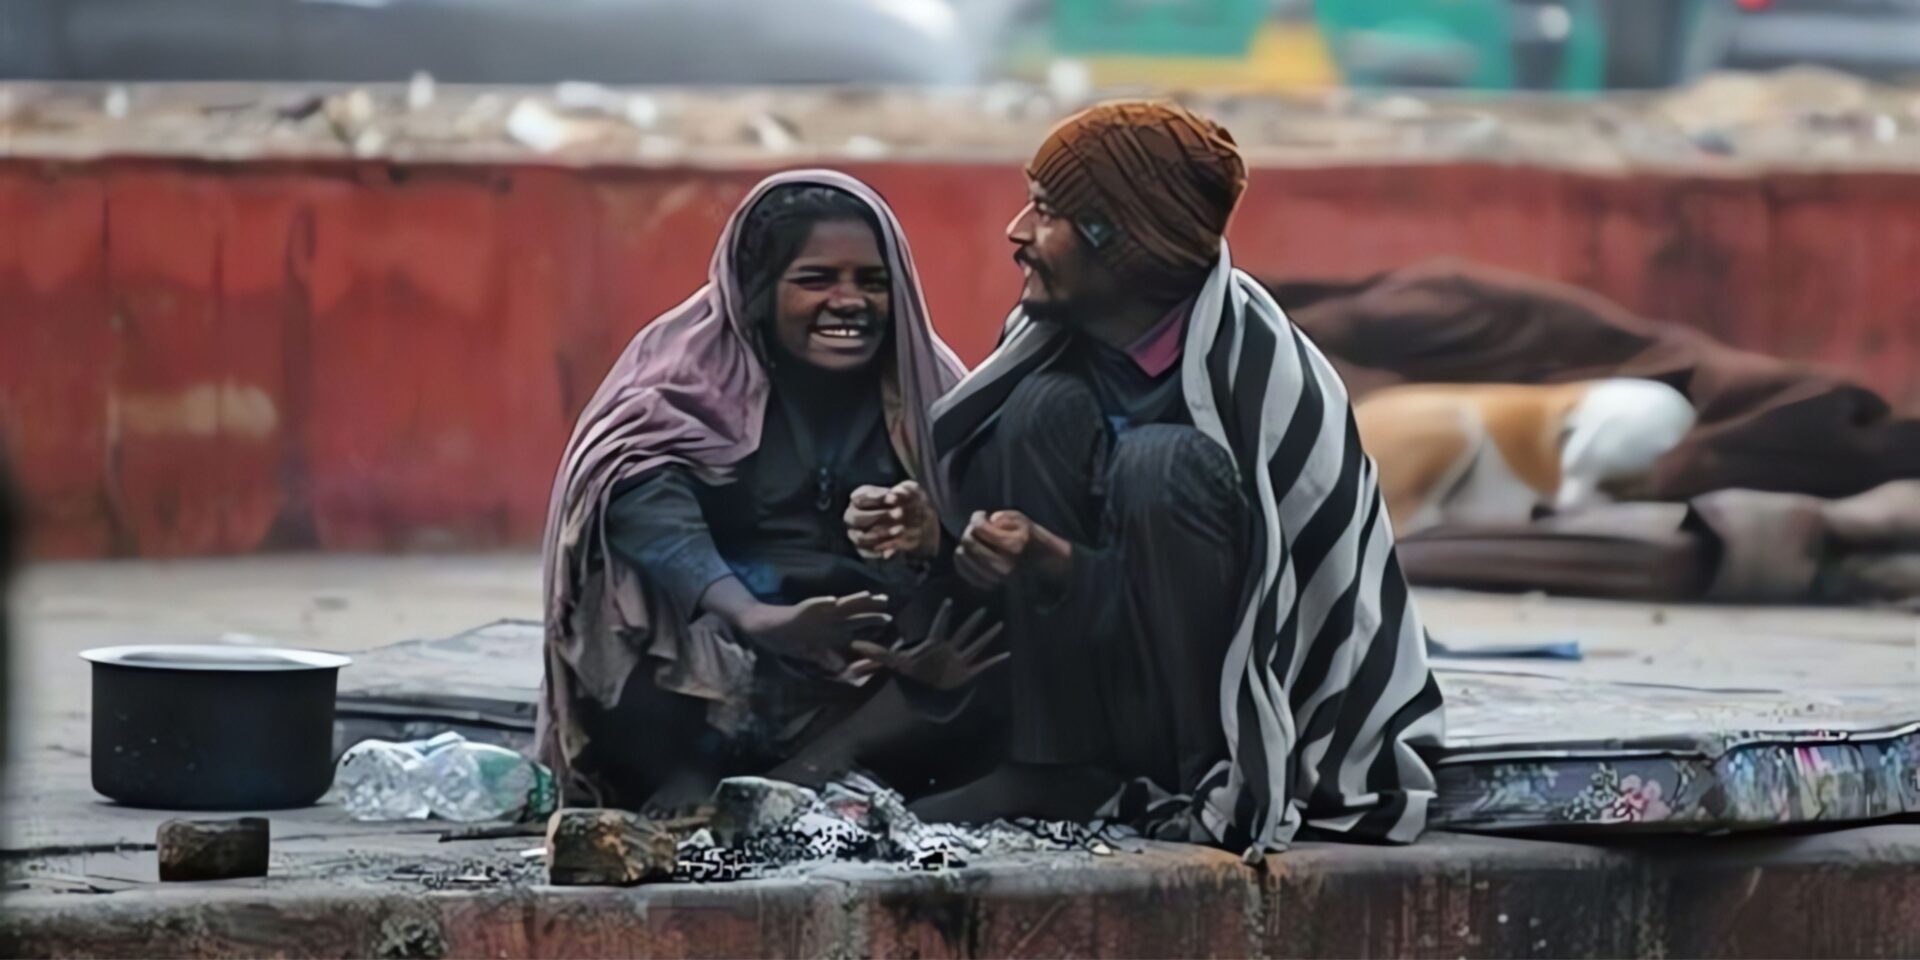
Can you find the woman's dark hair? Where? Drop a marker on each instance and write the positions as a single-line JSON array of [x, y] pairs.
[[775, 230]]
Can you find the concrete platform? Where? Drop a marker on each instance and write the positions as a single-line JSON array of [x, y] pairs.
[[80, 872], [1853, 894]]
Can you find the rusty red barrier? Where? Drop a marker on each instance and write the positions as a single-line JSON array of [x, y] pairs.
[[202, 358]]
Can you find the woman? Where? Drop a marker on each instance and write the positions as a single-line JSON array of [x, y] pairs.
[[704, 593]]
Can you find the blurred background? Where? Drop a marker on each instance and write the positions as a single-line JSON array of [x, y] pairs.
[[1559, 45], [338, 274], [1563, 45]]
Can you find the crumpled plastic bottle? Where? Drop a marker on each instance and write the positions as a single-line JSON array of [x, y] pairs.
[[380, 780], [448, 777]]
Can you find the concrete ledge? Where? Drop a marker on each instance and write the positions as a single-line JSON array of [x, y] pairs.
[[1852, 893]]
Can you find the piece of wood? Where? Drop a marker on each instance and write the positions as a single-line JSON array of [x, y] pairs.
[[192, 850], [494, 831], [591, 847]]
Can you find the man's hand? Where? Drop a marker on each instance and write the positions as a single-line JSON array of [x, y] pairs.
[[945, 660], [1001, 545], [817, 630], [886, 521]]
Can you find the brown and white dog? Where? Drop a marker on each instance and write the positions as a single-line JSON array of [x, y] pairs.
[[1502, 453]]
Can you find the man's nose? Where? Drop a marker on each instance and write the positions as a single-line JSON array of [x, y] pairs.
[[1021, 229]]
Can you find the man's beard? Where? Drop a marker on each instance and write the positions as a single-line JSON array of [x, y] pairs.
[[1048, 311], [1052, 309], [1076, 313]]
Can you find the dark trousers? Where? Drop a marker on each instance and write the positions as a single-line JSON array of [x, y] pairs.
[[1122, 667]]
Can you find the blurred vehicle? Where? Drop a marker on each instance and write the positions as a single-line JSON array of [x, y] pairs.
[[1659, 43], [1611, 44], [1264, 44], [908, 42], [1873, 38], [1479, 44]]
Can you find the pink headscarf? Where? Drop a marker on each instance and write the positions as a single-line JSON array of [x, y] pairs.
[[691, 389]]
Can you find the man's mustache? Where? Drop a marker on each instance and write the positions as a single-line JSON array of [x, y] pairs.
[[1021, 257]]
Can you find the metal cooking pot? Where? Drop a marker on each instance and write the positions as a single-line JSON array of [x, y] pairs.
[[212, 727]]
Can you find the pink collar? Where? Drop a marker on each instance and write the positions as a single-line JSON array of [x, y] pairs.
[[1158, 349]]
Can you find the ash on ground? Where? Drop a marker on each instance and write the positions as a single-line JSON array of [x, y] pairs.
[[764, 828]]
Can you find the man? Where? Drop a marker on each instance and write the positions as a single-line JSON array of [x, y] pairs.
[[1162, 479]]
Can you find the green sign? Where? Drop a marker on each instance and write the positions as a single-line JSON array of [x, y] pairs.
[[1161, 28]]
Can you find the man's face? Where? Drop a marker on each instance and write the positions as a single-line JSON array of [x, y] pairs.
[[1064, 277]]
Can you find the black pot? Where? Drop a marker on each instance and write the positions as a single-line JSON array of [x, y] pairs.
[[213, 728]]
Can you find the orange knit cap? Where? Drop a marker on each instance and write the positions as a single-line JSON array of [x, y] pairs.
[[1150, 185]]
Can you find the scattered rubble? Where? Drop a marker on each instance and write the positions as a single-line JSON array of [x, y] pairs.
[[420, 92], [541, 129], [469, 874], [1796, 117], [765, 828], [117, 103], [754, 828], [775, 134], [350, 114]]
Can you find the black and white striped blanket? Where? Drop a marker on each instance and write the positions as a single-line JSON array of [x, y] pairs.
[[1326, 691]]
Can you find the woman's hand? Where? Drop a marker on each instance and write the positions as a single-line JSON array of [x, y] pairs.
[[817, 631], [944, 660], [884, 522]]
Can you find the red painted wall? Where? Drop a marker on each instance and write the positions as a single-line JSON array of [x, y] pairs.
[[200, 358]]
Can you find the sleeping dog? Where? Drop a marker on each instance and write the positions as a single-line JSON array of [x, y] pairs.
[[1495, 454]]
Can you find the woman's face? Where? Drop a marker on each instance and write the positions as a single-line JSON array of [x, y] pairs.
[[834, 302]]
